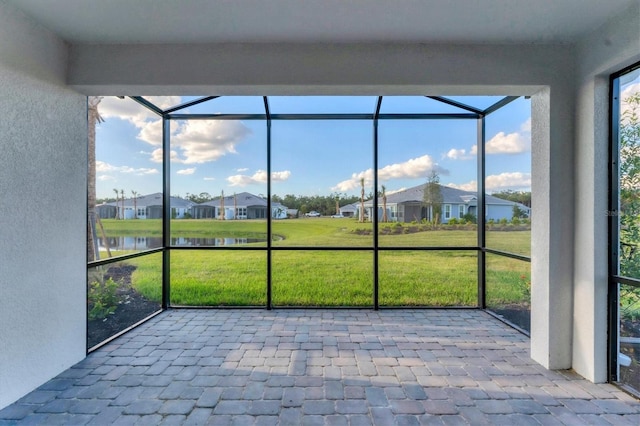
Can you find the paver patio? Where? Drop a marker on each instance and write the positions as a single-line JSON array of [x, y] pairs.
[[320, 367]]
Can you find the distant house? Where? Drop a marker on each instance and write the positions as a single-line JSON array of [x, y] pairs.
[[408, 205], [349, 210], [239, 206], [144, 207]]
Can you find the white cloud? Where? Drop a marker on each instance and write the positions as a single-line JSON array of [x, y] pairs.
[[280, 176], [105, 178], [208, 178], [156, 156], [188, 171], [164, 102], [201, 141], [461, 154], [259, 176], [151, 132], [147, 122], [413, 168], [513, 180], [125, 109], [513, 143], [526, 126], [195, 141], [469, 186], [502, 181], [241, 170], [102, 167]]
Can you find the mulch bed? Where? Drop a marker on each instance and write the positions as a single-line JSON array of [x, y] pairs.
[[519, 315], [630, 375], [132, 307]]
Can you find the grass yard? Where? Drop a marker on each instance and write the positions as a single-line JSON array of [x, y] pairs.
[[327, 278], [419, 278]]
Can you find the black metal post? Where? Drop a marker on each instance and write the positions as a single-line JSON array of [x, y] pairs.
[[376, 284], [166, 213], [482, 300], [613, 223], [269, 239]]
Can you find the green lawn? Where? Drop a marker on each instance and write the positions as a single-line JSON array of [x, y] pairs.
[[326, 278]]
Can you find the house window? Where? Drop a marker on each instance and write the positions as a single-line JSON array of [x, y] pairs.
[[447, 211], [460, 211]]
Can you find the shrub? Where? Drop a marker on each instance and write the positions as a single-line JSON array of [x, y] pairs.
[[629, 303], [515, 221], [470, 218], [102, 299], [525, 287], [453, 221], [503, 221]]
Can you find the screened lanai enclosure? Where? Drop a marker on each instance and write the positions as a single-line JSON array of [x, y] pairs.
[[311, 201], [624, 229]]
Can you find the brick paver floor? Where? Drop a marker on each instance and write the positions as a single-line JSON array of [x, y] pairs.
[[320, 367]]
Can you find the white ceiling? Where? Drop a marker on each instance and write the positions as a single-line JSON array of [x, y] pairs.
[[214, 21]]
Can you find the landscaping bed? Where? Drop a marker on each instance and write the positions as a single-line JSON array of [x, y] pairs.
[[130, 307]]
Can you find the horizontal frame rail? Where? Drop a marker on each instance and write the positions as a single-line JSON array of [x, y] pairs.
[[328, 117], [109, 260], [626, 281], [507, 254]]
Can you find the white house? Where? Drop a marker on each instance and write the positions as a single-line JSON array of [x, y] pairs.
[[238, 206], [144, 207], [349, 210], [408, 205]]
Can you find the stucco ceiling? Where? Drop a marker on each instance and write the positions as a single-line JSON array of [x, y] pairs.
[[426, 21]]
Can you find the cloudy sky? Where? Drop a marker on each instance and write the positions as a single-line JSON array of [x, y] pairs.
[[308, 157]]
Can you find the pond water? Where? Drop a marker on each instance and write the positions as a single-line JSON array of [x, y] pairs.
[[146, 243]]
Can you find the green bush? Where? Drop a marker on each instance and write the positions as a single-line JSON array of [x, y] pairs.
[[470, 218], [453, 221], [524, 284], [503, 221], [515, 221], [102, 299], [629, 303]]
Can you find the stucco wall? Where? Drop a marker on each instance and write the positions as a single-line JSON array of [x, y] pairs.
[[42, 213], [608, 49]]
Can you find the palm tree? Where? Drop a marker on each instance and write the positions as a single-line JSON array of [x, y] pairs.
[[122, 198], [384, 204], [93, 117], [222, 205], [135, 204], [117, 205], [362, 200], [235, 206]]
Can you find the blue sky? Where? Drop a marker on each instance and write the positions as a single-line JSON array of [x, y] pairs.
[[310, 157]]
